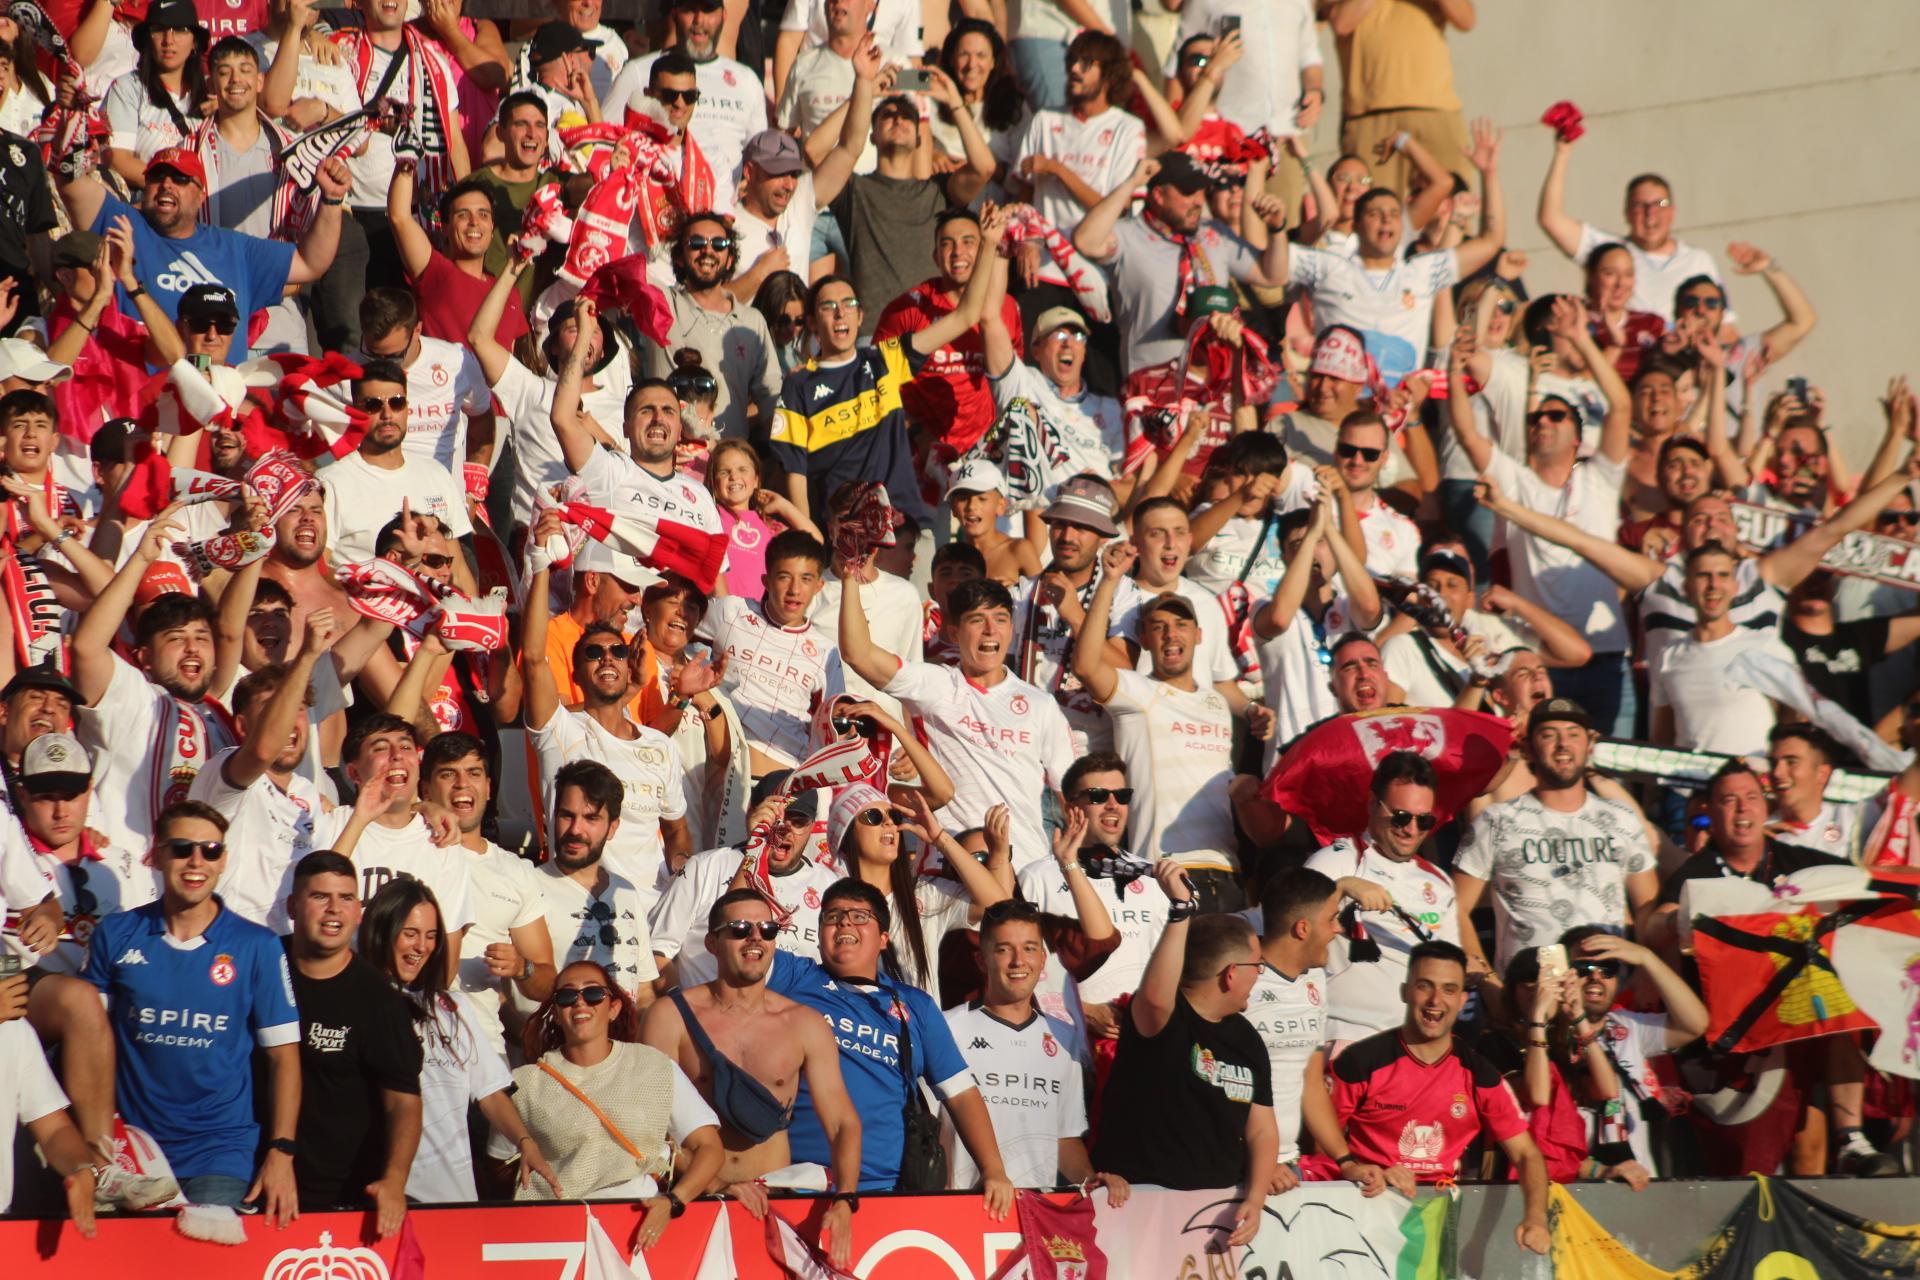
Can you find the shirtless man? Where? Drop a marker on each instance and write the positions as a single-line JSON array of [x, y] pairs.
[[746, 1049]]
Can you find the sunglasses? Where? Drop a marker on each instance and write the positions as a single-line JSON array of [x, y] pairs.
[[374, 404], [1066, 334], [855, 916], [786, 322], [1605, 968], [719, 244], [1358, 451], [85, 901], [211, 850], [741, 930], [865, 726], [1908, 518], [1645, 206], [567, 997], [674, 97], [595, 652], [895, 113], [437, 561], [1198, 59], [1555, 416], [215, 324], [1400, 819], [876, 818], [1100, 795], [1504, 307], [1703, 302], [834, 308]]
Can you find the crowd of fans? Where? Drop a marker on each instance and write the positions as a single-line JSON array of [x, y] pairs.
[[997, 438]]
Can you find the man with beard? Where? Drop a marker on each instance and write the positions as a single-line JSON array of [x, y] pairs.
[[507, 946], [449, 409], [733, 106], [870, 1013], [366, 488], [651, 840], [1362, 996], [1053, 606], [1392, 541], [1088, 427], [728, 332], [1685, 469], [949, 399], [151, 728], [780, 198], [174, 250], [1031, 1084], [594, 913], [1554, 479], [1336, 381], [256, 786], [384, 831], [1067, 160], [1559, 856], [642, 477], [797, 871], [1175, 735], [747, 1050]]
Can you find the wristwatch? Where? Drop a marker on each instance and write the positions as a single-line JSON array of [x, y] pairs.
[[849, 1198], [285, 1146], [675, 1205], [527, 972]]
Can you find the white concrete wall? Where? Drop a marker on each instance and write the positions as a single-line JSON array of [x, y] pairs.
[[1791, 124]]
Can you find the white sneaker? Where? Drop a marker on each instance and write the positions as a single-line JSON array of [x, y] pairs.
[[1859, 1158], [117, 1187]]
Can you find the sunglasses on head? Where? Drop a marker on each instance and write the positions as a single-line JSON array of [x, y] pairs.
[[1605, 968], [1400, 819], [719, 244], [218, 324], [741, 930], [1100, 795], [374, 404], [211, 850], [594, 652], [674, 97], [1357, 451], [567, 997], [1703, 302], [1555, 416]]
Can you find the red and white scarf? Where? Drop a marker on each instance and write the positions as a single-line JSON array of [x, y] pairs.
[[387, 592], [427, 118], [1895, 839], [692, 551], [182, 748], [1088, 284], [202, 142], [31, 607], [638, 183]]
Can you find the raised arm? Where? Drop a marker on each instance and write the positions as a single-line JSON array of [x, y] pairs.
[[964, 186], [1283, 608], [1485, 156], [287, 28], [1439, 185], [486, 322], [1569, 320], [269, 737], [1092, 661], [1153, 1003], [1903, 418], [542, 687], [1786, 567], [416, 247], [1363, 597], [1799, 314], [948, 328], [1630, 569], [831, 174], [92, 652], [1560, 643], [1561, 228], [994, 334], [1479, 449], [869, 661], [314, 254], [569, 419], [1094, 236]]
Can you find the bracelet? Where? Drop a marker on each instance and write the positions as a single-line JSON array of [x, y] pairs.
[[63, 535], [333, 204], [682, 703], [138, 291], [1182, 910], [1075, 866], [525, 1139], [1538, 1044], [1400, 140], [83, 324], [1348, 1158]]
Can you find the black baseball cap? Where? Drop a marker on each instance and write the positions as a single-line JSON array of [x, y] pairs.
[[209, 300], [77, 248], [1559, 710], [1178, 171], [557, 40], [43, 675]]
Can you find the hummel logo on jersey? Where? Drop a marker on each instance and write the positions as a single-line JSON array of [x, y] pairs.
[[184, 272], [821, 392], [980, 1042], [131, 956]]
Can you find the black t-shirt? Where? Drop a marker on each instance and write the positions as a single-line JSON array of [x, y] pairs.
[[1838, 665], [356, 1040], [888, 225], [26, 203], [1175, 1109], [1780, 860]]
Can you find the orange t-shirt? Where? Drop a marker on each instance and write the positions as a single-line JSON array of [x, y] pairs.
[[563, 633]]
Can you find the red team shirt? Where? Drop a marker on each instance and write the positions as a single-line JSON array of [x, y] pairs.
[[950, 394], [1395, 1109]]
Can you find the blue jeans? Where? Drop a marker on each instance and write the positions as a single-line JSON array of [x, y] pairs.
[[214, 1188], [1041, 68], [1470, 521], [827, 239], [1605, 688]]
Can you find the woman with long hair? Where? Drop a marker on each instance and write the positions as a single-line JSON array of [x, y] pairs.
[[1554, 1066], [1623, 334], [155, 105], [976, 59], [400, 935], [863, 831], [782, 303], [25, 94], [618, 1115]]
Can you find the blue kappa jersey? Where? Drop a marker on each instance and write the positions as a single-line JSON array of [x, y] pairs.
[[864, 1021], [186, 1017]]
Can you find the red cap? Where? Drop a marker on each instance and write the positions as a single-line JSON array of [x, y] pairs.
[[182, 161], [162, 578]]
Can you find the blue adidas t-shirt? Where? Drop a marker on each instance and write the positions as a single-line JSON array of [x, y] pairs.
[[866, 1022], [186, 1017], [255, 269]]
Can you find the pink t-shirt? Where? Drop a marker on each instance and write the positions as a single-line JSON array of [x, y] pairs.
[[747, 537]]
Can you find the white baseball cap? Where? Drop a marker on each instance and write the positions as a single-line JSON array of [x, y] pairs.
[[600, 557], [21, 359], [976, 475]]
